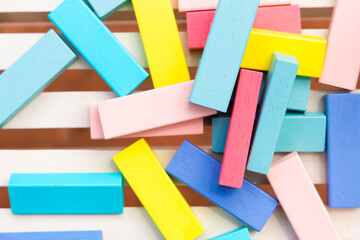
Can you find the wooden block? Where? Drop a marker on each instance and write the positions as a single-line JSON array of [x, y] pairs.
[[343, 48], [73, 235], [162, 44], [280, 81], [241, 128], [241, 233], [158, 194], [192, 127], [220, 62], [66, 193], [98, 46], [343, 151], [104, 8], [278, 18], [300, 200], [158, 108], [201, 171], [32, 73]]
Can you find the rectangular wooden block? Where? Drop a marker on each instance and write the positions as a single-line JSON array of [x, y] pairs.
[[342, 59], [240, 129], [163, 48], [220, 62], [201, 171], [104, 8], [241, 233], [88, 34], [66, 193], [300, 200], [32, 73], [149, 110], [73, 235], [158, 194], [343, 150], [192, 127], [280, 81]]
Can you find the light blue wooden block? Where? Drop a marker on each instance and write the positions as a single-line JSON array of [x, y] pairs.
[[32, 73], [73, 235], [280, 81], [104, 8], [66, 193], [220, 63], [238, 234], [98, 46]]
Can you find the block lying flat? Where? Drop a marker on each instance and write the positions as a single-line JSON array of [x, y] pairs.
[[220, 62], [163, 48], [98, 46], [300, 200], [68, 193], [158, 194], [32, 73], [241, 233], [104, 8], [73, 235], [149, 110], [201, 171], [343, 150]]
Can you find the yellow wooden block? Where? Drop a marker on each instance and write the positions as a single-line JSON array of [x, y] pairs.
[[161, 41], [309, 51], [157, 192]]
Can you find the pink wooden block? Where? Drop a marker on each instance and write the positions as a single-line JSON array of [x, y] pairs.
[[240, 129], [191, 127], [149, 110], [342, 60], [278, 18], [300, 200]]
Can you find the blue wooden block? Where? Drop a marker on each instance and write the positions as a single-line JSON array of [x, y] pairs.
[[98, 46], [68, 193], [238, 234], [220, 63], [343, 150], [201, 171], [280, 81], [32, 73], [73, 235], [104, 8]]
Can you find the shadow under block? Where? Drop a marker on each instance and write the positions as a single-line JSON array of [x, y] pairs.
[[32, 73], [220, 62], [192, 127], [161, 39], [280, 81], [343, 150], [240, 129], [104, 8], [342, 60], [156, 191], [95, 42], [66, 193], [73, 235], [238, 234], [201, 171], [300, 200], [149, 110]]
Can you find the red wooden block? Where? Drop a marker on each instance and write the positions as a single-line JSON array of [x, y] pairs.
[[240, 129]]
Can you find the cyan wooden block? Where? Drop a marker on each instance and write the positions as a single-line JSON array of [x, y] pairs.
[[88, 34], [280, 81], [238, 234], [32, 73], [220, 63], [104, 8], [66, 193], [343, 150], [73, 235]]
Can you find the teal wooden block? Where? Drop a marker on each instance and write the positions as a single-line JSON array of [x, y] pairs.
[[66, 193], [280, 81], [220, 63], [104, 8], [73, 235], [238, 234], [95, 42], [32, 73]]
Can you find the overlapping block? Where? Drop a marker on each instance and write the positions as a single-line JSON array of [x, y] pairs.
[[241, 233], [73, 235], [104, 8]]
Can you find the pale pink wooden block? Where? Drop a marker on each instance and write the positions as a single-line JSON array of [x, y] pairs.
[[192, 127], [149, 110], [342, 60], [300, 200]]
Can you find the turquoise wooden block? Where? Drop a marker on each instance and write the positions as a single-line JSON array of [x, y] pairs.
[[238, 234], [220, 63], [66, 193], [104, 8], [73, 235], [98, 46], [32, 73], [280, 81]]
